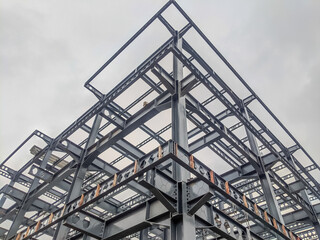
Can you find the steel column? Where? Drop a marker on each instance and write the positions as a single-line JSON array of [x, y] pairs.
[[75, 189], [166, 203], [182, 225], [265, 180]]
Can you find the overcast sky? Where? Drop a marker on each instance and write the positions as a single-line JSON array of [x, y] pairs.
[[50, 48]]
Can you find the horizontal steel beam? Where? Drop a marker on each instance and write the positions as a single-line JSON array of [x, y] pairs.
[[163, 153], [146, 113], [248, 170], [221, 186], [107, 187], [18, 196], [298, 216], [223, 131]]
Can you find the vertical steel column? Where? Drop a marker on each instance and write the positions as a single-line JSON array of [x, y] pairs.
[[265, 180], [182, 225], [26, 204], [144, 233], [75, 189]]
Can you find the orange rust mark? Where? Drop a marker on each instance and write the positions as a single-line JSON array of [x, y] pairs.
[[191, 161], [159, 152], [292, 237], [244, 198], [37, 226], [97, 191], [227, 187], [284, 230], [27, 233], [62, 212], [266, 218], [256, 210], [81, 200], [135, 167], [212, 176], [18, 236], [50, 218], [114, 180], [274, 221]]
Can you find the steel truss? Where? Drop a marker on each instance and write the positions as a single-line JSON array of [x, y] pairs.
[[267, 194]]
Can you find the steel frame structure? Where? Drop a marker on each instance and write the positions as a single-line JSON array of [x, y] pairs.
[[268, 193]]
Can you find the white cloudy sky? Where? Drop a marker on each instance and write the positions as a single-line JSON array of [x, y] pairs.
[[48, 49]]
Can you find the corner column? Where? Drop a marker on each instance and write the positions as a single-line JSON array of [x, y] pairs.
[[182, 224]]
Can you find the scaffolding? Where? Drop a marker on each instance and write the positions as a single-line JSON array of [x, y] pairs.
[[153, 167]]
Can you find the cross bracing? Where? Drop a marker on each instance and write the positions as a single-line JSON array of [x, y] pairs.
[[118, 172]]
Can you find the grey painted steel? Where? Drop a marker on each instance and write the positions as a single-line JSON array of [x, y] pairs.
[[265, 180], [304, 195], [75, 189], [26, 202], [174, 194], [182, 225], [169, 151]]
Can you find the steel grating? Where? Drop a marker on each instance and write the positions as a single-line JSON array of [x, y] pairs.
[[118, 172]]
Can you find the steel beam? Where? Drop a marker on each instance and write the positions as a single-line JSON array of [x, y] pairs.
[[176, 195]]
